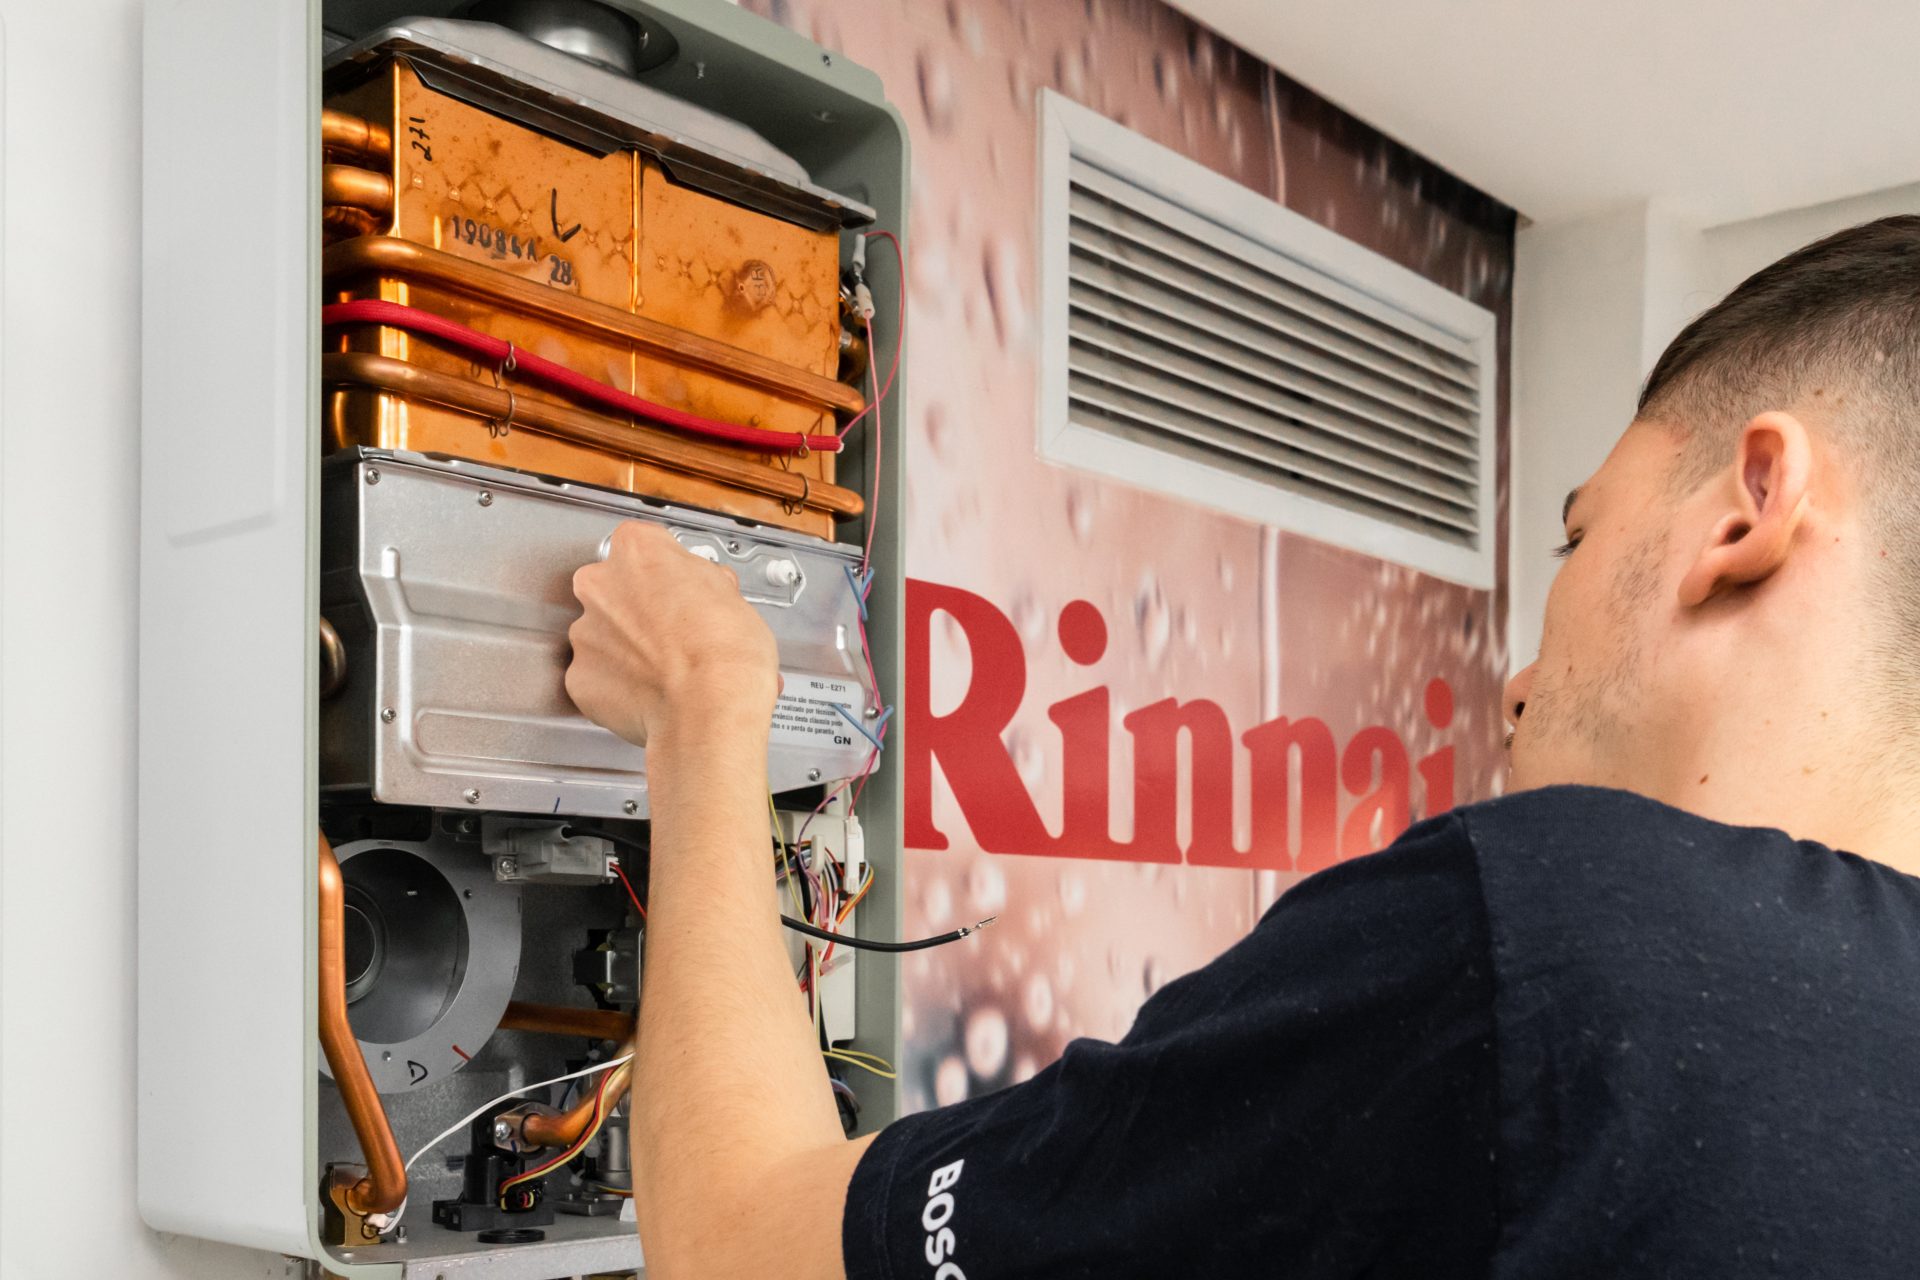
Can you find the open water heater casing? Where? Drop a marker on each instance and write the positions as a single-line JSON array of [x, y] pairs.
[[372, 232]]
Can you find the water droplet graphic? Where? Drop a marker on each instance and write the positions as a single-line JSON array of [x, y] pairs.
[[987, 886], [950, 1082], [1039, 1002], [987, 1042], [1073, 892], [1152, 619]]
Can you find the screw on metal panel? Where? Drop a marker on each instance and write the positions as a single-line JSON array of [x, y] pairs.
[[502, 1131], [486, 498], [473, 797], [387, 715], [466, 893], [387, 1056], [508, 866], [733, 545], [873, 713], [813, 775], [373, 477], [399, 1235], [826, 59], [631, 807]]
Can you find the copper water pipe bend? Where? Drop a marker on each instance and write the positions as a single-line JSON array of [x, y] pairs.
[[376, 256], [362, 188], [333, 660], [342, 132], [565, 1129], [385, 1185], [342, 221], [658, 446], [594, 1024]]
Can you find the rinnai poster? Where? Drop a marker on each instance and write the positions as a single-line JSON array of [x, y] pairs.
[[1059, 604]]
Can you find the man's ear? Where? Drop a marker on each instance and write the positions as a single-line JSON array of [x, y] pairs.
[[1767, 492]]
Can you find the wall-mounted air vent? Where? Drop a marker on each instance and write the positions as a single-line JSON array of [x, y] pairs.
[[1207, 342]]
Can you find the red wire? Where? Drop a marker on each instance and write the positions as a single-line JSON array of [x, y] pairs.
[[630, 893], [540, 369]]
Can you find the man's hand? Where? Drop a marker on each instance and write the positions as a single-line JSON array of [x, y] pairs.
[[666, 640]]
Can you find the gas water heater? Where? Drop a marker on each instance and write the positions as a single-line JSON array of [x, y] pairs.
[[435, 297]]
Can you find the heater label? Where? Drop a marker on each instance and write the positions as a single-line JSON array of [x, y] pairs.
[[819, 711]]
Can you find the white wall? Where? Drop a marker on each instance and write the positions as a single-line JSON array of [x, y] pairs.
[[69, 379], [1595, 303]]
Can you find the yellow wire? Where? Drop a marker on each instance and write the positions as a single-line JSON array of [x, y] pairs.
[[876, 1058], [856, 1062]]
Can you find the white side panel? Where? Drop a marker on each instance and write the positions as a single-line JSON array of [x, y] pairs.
[[227, 618]]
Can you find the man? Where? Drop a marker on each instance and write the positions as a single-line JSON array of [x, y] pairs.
[[1586, 1030]]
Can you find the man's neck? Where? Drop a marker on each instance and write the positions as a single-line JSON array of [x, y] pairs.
[[1811, 780]]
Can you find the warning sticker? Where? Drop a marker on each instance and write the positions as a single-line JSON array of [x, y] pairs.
[[808, 711]]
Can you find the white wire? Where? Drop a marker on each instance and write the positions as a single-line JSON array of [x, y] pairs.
[[384, 1223]]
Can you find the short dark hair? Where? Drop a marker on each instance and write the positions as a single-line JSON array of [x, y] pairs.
[[1837, 320], [1831, 331]]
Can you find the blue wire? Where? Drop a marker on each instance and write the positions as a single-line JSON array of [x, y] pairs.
[[855, 722], [855, 585]]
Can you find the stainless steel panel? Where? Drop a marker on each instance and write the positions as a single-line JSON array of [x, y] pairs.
[[451, 585]]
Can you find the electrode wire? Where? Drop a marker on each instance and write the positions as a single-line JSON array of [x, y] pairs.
[[385, 1223], [899, 333], [523, 363]]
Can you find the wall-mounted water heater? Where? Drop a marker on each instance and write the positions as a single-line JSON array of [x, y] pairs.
[[436, 296]]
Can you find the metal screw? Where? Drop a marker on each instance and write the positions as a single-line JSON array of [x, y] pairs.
[[733, 545], [373, 476], [813, 775], [466, 893], [826, 59], [387, 1056], [631, 807], [466, 826], [473, 797], [399, 1235], [873, 713], [508, 866], [486, 498], [387, 715], [502, 1131]]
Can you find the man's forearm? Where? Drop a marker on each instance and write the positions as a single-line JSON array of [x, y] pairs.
[[729, 1087]]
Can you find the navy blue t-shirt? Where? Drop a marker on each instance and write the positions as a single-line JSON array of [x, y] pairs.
[[1570, 1033]]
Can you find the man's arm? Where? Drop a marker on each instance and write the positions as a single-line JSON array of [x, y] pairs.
[[740, 1166]]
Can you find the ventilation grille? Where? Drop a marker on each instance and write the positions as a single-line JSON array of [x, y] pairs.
[[1194, 347]]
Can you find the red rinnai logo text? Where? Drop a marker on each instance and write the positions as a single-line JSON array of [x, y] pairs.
[[1352, 799]]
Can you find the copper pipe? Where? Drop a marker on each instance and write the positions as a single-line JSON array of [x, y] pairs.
[[333, 660], [341, 221], [342, 132], [661, 447], [565, 1129], [385, 1185], [390, 257], [361, 188], [595, 1024]]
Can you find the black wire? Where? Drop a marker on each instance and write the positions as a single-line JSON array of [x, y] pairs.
[[874, 944], [814, 931]]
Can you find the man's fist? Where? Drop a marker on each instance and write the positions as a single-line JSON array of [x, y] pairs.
[[666, 643]]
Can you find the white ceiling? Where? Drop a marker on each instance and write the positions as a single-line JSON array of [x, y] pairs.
[[1730, 108]]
